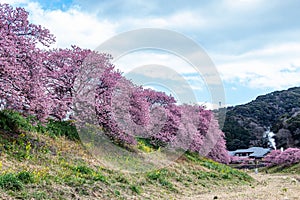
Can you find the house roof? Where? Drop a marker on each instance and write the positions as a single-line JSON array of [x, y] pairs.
[[257, 152]]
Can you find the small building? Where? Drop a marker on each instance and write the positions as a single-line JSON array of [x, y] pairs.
[[253, 152]]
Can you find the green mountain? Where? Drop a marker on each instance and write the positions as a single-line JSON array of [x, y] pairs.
[[278, 111]]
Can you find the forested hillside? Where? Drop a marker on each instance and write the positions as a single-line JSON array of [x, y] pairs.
[[280, 111]]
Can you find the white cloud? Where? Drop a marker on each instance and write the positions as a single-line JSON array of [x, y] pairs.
[[243, 4], [275, 67], [178, 20], [171, 67], [72, 27], [140, 58], [14, 2]]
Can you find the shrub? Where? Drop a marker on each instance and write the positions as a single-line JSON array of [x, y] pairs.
[[25, 177], [13, 121], [62, 128], [10, 182]]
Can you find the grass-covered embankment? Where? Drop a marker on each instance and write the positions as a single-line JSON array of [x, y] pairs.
[[293, 169], [43, 165]]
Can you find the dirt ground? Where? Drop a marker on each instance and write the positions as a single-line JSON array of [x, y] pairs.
[[266, 187]]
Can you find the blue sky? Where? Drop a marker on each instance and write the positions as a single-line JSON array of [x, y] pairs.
[[255, 44]]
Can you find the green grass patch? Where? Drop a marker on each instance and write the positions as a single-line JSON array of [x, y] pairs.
[[82, 169], [16, 123], [136, 189], [162, 177], [100, 177], [10, 182], [224, 171], [293, 169], [16, 181], [145, 145], [25, 177], [61, 128]]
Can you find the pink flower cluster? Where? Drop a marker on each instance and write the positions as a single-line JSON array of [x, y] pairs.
[[242, 160], [286, 158]]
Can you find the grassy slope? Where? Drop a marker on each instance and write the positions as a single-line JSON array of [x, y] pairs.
[[294, 169], [36, 166]]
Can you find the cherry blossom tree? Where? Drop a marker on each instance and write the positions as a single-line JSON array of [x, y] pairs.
[[21, 77], [270, 159], [286, 158], [61, 67], [112, 109], [218, 151], [191, 133], [201, 133], [64, 68]]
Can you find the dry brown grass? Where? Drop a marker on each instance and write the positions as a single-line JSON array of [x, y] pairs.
[[267, 187]]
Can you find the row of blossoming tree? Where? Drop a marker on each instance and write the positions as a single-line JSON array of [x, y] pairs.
[[285, 158], [44, 82]]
